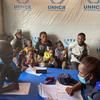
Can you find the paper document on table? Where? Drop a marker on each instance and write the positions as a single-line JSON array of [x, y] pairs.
[[31, 70], [43, 91], [23, 90], [57, 92], [62, 93]]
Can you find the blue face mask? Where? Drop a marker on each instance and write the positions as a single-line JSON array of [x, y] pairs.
[[82, 79]]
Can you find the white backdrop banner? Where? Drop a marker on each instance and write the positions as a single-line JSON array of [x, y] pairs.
[[61, 19]]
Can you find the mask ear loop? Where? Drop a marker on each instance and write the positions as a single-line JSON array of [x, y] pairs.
[[86, 76], [91, 77]]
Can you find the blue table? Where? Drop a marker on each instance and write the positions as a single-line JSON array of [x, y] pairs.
[[35, 81]]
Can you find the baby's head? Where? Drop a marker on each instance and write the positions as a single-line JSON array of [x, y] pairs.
[[51, 51], [87, 65], [60, 45], [30, 54], [65, 51], [29, 43]]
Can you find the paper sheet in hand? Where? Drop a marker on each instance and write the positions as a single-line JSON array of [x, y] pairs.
[[23, 90], [57, 92]]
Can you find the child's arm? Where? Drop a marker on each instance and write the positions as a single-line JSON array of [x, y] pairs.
[[76, 87]]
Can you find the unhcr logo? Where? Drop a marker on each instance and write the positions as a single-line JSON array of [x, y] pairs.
[[92, 5], [93, 1], [57, 1], [56, 5], [22, 5], [23, 1]]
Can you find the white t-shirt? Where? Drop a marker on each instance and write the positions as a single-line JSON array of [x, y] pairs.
[[77, 50]]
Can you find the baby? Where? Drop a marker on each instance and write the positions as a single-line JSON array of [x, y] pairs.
[[49, 58], [29, 47], [30, 58]]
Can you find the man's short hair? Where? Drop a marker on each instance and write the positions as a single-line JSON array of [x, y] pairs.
[[43, 32], [82, 34]]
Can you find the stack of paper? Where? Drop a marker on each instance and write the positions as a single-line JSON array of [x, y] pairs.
[[57, 92]]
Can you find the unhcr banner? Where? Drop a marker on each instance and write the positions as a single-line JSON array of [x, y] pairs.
[[61, 19]]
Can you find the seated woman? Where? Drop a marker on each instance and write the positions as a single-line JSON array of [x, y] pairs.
[[89, 74], [43, 44]]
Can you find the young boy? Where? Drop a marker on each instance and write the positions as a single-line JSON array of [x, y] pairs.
[[89, 74]]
